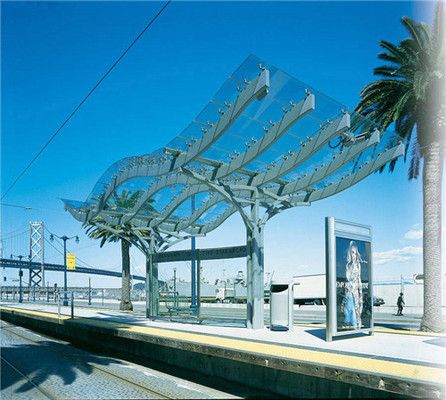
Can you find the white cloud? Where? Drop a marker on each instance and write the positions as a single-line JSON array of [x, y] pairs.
[[414, 234], [397, 255]]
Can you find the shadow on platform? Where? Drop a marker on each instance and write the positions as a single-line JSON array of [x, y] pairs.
[[42, 360], [141, 320], [437, 342]]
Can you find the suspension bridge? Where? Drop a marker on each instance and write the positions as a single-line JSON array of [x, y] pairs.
[[30, 249], [9, 263]]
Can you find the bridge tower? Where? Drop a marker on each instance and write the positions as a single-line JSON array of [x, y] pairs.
[[37, 253]]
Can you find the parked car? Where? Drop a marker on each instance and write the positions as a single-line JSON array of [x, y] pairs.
[[378, 301]]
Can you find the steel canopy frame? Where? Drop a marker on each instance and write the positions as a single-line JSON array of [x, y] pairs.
[[251, 121]]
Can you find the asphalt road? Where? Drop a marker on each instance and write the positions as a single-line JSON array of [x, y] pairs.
[[303, 314], [34, 366]]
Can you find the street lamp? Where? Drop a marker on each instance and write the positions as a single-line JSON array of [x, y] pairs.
[[64, 238], [20, 277]]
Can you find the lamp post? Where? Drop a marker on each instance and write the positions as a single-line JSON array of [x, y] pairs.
[[175, 297], [20, 277], [29, 285], [193, 269], [174, 279], [65, 239]]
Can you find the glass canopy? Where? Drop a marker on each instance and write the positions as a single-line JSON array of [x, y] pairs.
[[263, 134]]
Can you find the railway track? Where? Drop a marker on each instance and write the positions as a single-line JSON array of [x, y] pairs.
[[37, 391], [42, 391]]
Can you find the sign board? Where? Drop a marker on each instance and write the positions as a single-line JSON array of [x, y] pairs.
[[348, 278], [71, 262], [201, 254]]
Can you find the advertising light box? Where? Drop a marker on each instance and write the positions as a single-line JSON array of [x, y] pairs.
[[349, 278]]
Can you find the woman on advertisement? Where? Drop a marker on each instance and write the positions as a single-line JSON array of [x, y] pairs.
[[353, 300]]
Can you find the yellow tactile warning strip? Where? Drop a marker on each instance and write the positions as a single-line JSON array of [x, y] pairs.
[[395, 369], [386, 330], [377, 328]]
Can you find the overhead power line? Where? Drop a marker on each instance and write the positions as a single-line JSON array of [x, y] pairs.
[[16, 206], [42, 149]]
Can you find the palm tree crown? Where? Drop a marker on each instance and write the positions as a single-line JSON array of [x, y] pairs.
[[125, 200], [122, 201], [410, 92]]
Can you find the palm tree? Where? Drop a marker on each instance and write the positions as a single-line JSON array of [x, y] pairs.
[[125, 200], [410, 94]]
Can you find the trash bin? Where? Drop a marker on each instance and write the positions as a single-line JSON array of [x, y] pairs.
[[281, 300]]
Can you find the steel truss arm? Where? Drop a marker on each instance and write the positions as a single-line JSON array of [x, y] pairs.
[[320, 173], [253, 90], [224, 190], [363, 172], [325, 170], [314, 144], [336, 128], [303, 199], [221, 170], [351, 179]]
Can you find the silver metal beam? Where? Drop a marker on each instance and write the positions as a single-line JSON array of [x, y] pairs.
[[362, 173], [221, 170], [252, 91], [331, 130]]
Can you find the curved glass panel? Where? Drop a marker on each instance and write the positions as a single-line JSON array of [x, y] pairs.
[[254, 131]]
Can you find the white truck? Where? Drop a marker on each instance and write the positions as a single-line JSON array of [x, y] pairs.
[[309, 289], [224, 295]]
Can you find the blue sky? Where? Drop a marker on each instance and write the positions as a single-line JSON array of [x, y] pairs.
[[52, 53]]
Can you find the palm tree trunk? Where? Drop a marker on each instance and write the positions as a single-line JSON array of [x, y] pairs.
[[126, 303], [432, 180]]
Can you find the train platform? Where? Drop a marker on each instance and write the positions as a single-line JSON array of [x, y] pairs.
[[294, 363]]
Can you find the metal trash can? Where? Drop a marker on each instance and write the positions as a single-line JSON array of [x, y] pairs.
[[281, 300]]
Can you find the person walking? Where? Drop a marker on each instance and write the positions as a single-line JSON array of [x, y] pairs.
[[400, 303]]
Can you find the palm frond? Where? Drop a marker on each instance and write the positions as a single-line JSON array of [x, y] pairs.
[[420, 33], [407, 85]]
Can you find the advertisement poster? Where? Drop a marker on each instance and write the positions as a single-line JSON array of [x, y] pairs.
[[353, 293], [349, 278]]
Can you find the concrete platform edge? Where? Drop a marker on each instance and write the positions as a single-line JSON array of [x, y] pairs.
[[279, 375]]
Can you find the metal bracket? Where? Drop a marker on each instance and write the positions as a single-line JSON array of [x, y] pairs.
[[224, 190]]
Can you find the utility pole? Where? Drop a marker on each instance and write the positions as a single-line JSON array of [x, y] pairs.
[[65, 239]]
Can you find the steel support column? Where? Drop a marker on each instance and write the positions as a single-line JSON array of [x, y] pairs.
[[255, 269], [198, 284], [152, 294]]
